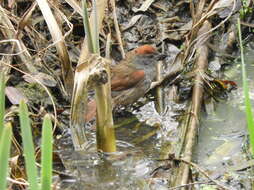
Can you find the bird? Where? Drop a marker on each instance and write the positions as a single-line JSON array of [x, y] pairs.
[[131, 78]]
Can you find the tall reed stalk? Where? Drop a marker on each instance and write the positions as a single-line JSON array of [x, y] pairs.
[[105, 134]]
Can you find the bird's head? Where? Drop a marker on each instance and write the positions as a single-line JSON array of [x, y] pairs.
[[146, 57]]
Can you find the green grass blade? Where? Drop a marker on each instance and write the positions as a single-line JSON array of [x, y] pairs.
[[2, 101], [28, 146], [46, 156], [96, 29], [87, 28], [5, 144], [248, 110]]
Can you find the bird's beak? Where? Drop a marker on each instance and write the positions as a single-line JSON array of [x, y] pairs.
[[161, 56]]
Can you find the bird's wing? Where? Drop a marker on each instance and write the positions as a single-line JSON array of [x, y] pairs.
[[125, 77]]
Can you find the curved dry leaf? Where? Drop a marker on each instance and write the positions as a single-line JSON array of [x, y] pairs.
[[224, 7], [14, 95], [45, 79], [58, 38], [132, 22], [144, 6]]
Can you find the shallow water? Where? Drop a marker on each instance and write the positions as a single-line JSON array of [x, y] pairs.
[[222, 134], [144, 134], [140, 139]]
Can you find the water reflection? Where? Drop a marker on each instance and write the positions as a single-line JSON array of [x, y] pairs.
[[142, 135]]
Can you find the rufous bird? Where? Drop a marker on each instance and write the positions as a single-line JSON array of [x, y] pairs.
[[131, 78]]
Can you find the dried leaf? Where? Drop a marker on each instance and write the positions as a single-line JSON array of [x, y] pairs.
[[132, 22], [45, 79], [14, 95], [144, 6]]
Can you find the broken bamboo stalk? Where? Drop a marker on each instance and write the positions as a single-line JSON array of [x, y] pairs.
[[197, 95]]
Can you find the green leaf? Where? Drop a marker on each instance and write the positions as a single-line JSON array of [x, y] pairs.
[[2, 102], [46, 156], [87, 28], [95, 36], [5, 144], [28, 146]]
